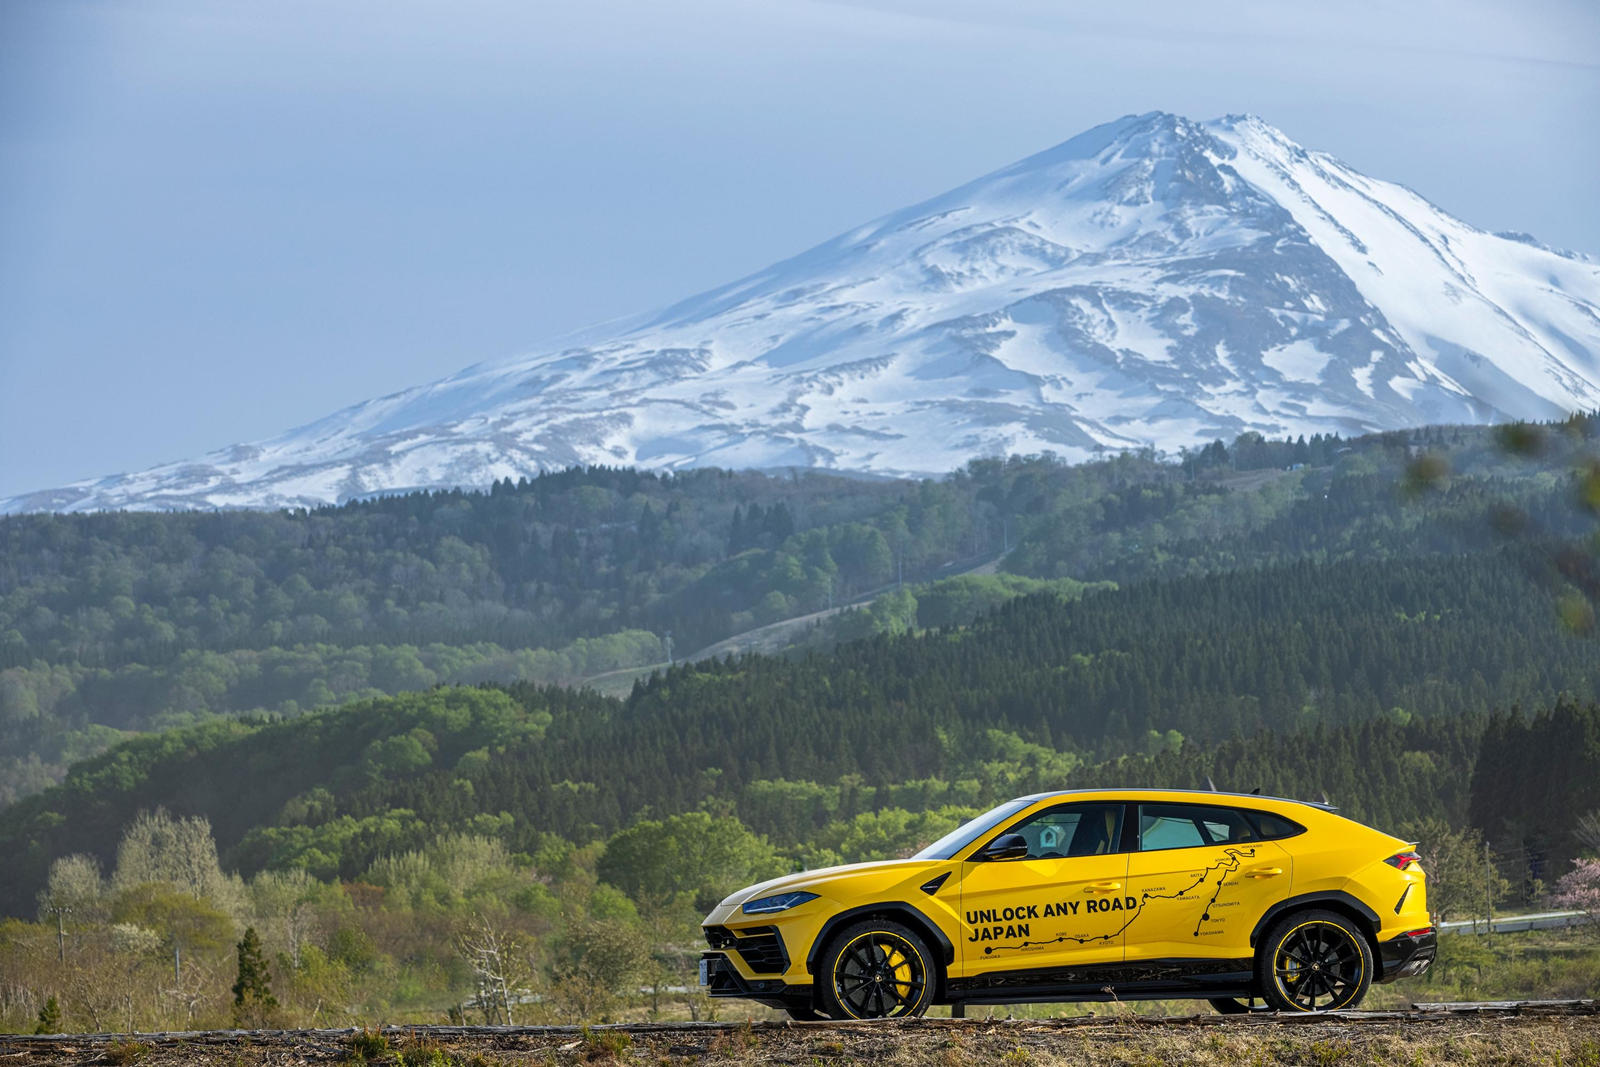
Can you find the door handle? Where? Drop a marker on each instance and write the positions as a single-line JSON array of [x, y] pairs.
[[1103, 887], [1264, 872]]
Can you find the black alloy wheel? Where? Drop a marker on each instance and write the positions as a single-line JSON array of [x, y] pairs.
[[1314, 961], [876, 970]]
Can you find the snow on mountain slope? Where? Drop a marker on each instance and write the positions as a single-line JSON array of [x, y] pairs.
[[1152, 282]]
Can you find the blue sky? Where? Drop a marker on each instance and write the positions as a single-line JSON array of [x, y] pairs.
[[219, 219]]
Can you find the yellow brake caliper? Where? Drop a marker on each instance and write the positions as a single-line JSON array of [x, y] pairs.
[[900, 967], [1297, 974]]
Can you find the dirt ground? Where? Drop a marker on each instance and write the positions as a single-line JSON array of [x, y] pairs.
[[1571, 1040]]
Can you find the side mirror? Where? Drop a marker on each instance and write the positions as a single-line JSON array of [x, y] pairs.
[[1006, 847]]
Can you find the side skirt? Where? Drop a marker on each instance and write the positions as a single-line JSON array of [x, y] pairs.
[[1144, 980]]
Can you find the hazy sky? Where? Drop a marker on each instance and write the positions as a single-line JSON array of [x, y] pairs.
[[221, 219]]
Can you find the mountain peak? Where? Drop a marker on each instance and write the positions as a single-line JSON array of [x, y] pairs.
[[1153, 131], [1153, 282], [1247, 120]]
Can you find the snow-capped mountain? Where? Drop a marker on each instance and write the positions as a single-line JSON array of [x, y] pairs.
[[1152, 282]]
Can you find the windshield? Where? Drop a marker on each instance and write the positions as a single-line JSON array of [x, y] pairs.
[[963, 835]]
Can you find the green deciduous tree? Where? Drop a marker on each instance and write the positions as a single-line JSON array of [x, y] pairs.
[[695, 855], [600, 960], [1462, 879], [184, 923], [180, 852]]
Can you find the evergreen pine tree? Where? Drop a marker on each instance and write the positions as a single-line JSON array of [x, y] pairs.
[[252, 998], [49, 1018]]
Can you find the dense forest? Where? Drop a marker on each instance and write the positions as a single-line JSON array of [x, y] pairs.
[[118, 623], [1021, 699], [334, 732]]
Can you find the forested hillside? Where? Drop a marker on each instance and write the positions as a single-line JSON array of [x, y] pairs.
[[1022, 699], [1404, 623], [120, 623]]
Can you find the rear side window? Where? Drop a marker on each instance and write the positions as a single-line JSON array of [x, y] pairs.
[[1192, 825], [1271, 827], [1167, 828]]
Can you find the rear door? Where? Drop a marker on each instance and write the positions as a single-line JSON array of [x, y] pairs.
[[1202, 878]]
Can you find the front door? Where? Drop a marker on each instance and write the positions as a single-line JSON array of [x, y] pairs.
[[1062, 905], [1203, 878]]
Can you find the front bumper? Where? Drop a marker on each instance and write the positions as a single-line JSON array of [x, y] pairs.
[[720, 978], [760, 948], [750, 963], [1408, 955]]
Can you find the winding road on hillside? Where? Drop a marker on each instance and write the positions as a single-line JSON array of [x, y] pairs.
[[776, 636]]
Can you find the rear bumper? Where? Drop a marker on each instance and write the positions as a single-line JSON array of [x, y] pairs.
[[720, 978], [1408, 955]]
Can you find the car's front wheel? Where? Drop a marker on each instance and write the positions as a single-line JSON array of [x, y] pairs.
[[1314, 961], [876, 969]]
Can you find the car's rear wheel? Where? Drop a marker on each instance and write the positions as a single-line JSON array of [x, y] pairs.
[[876, 969], [1314, 961]]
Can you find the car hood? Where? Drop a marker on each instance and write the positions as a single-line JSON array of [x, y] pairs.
[[818, 880]]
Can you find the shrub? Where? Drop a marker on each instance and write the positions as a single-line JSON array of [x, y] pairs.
[[368, 1044], [125, 1051]]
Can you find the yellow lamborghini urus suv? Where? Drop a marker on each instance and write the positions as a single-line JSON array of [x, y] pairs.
[[1089, 895]]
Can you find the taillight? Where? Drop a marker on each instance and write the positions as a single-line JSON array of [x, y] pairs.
[[1403, 860]]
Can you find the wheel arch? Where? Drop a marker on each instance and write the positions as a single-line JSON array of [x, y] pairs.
[[897, 911], [1366, 920]]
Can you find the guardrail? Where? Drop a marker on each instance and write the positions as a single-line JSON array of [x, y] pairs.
[[1510, 924]]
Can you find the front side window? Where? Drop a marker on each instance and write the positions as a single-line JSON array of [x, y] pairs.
[[1073, 830], [1190, 826], [962, 836]]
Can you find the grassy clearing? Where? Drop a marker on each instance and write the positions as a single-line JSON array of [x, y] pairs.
[[1535, 965], [1124, 1042]]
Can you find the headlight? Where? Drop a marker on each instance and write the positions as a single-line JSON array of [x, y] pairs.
[[781, 902]]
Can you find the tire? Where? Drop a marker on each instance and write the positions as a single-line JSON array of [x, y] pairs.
[[876, 969], [1314, 961]]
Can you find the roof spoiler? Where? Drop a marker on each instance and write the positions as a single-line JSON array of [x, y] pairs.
[[1324, 803]]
